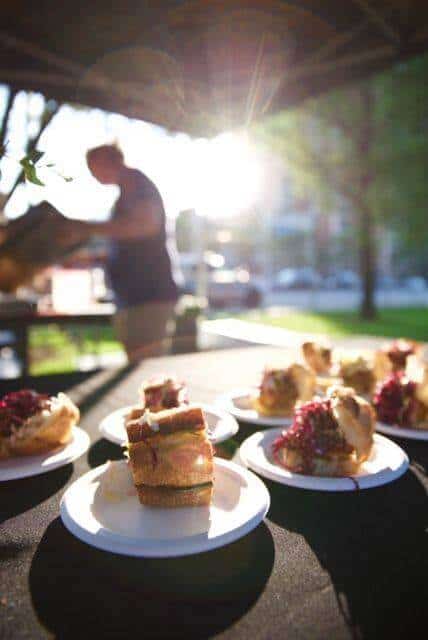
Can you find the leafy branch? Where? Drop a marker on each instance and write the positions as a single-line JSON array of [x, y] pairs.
[[30, 165]]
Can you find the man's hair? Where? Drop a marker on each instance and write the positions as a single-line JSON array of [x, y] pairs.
[[107, 153]]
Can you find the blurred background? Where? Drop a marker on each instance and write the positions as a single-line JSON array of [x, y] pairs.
[[313, 219]]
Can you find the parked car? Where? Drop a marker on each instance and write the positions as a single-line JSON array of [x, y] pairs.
[[386, 283], [233, 288], [415, 283], [299, 278], [188, 263], [343, 279]]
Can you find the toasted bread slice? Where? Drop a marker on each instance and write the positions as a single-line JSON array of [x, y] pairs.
[[333, 465], [281, 389], [141, 424], [356, 419], [175, 497], [179, 459], [317, 357], [280, 411]]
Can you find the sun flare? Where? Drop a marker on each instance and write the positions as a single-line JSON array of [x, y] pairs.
[[229, 176]]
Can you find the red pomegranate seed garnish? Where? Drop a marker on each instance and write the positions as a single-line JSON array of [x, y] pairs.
[[314, 432], [17, 407], [395, 400]]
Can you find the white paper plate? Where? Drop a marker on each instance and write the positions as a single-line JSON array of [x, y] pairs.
[[386, 463], [15, 468], [238, 403], [102, 509], [400, 432], [221, 425]]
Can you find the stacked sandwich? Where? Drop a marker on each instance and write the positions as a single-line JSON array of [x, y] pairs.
[[170, 456]]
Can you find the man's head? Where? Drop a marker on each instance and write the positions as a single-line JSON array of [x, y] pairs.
[[105, 163]]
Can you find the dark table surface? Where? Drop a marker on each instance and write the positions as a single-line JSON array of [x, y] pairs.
[[322, 565]]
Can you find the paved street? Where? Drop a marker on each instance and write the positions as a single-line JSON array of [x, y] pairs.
[[335, 300]]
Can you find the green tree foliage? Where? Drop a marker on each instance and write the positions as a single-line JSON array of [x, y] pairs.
[[366, 143], [401, 152]]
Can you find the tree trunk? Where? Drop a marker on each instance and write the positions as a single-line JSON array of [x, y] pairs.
[[367, 262], [365, 214]]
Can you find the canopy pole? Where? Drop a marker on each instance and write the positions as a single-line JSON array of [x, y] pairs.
[[9, 104]]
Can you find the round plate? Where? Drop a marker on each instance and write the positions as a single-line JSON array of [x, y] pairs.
[[24, 466], [221, 425], [400, 432], [239, 404], [102, 509], [386, 463]]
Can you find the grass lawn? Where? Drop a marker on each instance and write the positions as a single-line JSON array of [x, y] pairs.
[[394, 323], [55, 349]]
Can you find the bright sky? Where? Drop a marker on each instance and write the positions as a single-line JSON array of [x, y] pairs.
[[220, 177]]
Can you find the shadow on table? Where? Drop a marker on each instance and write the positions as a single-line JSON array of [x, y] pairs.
[[87, 395], [373, 544], [80, 591], [103, 450], [229, 448], [417, 450], [17, 496]]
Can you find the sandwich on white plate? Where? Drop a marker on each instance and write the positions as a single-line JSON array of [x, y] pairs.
[[170, 456]]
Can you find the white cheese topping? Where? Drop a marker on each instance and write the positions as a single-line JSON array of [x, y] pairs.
[[147, 418]]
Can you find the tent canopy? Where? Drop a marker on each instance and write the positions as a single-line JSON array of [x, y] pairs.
[[202, 66]]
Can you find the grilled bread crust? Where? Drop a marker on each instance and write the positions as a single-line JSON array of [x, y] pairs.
[[172, 497]]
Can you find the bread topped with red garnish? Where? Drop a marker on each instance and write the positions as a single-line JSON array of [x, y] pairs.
[[393, 357], [162, 393], [32, 423], [318, 357], [171, 457], [402, 402], [282, 388], [329, 436]]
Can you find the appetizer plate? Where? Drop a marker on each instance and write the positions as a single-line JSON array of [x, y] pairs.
[[239, 404], [221, 425], [24, 466], [400, 432], [102, 509], [386, 463]]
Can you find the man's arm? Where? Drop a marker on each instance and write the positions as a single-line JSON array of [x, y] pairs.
[[143, 221]]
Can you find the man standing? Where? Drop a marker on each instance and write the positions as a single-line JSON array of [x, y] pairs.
[[139, 264]]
